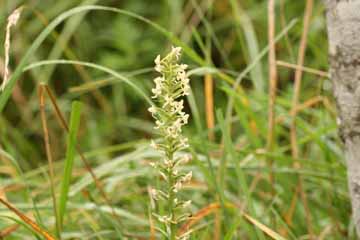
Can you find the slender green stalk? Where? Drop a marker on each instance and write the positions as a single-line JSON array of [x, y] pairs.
[[69, 161]]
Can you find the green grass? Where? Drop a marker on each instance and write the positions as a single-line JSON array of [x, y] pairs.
[[69, 159], [102, 55]]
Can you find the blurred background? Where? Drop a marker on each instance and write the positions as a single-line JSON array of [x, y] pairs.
[[224, 41]]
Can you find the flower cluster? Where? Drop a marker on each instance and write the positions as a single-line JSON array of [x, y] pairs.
[[169, 119]]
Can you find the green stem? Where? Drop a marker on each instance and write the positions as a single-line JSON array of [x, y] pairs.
[[172, 235]]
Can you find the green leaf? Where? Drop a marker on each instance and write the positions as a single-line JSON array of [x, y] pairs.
[[69, 159]]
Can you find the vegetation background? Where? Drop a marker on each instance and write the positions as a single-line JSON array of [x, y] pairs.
[[249, 182]]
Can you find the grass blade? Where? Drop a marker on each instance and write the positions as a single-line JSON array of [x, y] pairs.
[[95, 66], [69, 160], [264, 228], [245, 23]]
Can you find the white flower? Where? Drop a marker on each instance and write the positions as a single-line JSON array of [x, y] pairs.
[[177, 124], [183, 143], [177, 186], [164, 219], [159, 81], [183, 67], [186, 90], [168, 100], [176, 51], [157, 60], [185, 118], [168, 163], [154, 145], [187, 177], [184, 159], [152, 109], [177, 107], [158, 67], [181, 74], [156, 91], [186, 204], [174, 130], [154, 194], [158, 124]]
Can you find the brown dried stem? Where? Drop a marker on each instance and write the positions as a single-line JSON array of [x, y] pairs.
[[272, 85], [293, 136]]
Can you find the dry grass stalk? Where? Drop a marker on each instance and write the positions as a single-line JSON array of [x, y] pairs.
[[293, 136], [304, 69], [7, 231], [209, 105], [27, 220], [48, 152], [273, 83], [198, 216], [11, 21]]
